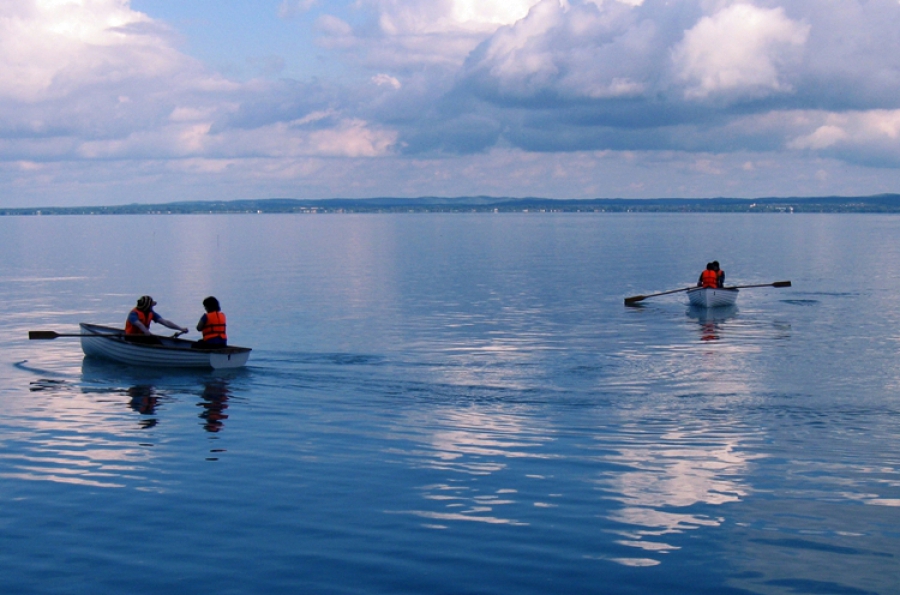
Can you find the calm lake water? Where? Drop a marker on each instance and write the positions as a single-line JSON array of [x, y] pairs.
[[456, 404]]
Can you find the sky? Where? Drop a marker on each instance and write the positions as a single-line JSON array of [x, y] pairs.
[[106, 102]]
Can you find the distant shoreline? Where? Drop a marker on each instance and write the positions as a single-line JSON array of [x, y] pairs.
[[881, 203]]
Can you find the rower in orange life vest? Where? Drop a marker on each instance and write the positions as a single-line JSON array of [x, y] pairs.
[[709, 277], [137, 325], [212, 325]]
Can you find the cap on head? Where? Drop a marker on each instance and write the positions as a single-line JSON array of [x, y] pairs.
[[145, 302]]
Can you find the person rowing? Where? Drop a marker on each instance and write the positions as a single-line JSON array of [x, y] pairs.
[[137, 325], [719, 272]]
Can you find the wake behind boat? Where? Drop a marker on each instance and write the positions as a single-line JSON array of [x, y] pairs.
[[170, 352], [712, 297]]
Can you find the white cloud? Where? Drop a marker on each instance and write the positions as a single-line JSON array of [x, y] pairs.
[[412, 33], [487, 14], [553, 97], [333, 26], [516, 57], [823, 137], [291, 8], [386, 79], [306, 137], [741, 49], [48, 48], [353, 138], [581, 50], [190, 114], [347, 137], [94, 80], [875, 128], [420, 17]]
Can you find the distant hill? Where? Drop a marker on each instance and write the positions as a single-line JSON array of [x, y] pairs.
[[881, 203]]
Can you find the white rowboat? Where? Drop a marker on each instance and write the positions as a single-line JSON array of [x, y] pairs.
[[712, 297], [707, 297], [109, 343]]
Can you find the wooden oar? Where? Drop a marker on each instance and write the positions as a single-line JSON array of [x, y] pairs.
[[776, 284], [639, 298], [54, 335]]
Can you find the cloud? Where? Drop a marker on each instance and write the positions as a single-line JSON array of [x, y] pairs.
[[584, 75], [404, 34], [577, 51], [741, 49], [317, 135], [96, 80], [422, 17], [335, 29], [485, 14], [459, 96], [870, 137], [51, 49], [289, 9], [584, 50], [386, 79]]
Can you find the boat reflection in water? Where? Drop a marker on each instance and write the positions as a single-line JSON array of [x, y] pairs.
[[144, 400], [711, 320], [214, 403], [149, 389]]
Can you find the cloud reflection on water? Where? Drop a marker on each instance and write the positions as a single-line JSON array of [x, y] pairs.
[[65, 434], [475, 441], [677, 458], [670, 477], [100, 429]]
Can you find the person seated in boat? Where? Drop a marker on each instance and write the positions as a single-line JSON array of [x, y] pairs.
[[212, 325], [709, 277], [137, 325], [720, 273]]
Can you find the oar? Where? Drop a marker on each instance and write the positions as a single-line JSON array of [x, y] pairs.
[[54, 335], [639, 298], [776, 284]]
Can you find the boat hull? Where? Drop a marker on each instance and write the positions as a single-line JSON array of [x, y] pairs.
[[712, 297], [109, 343]]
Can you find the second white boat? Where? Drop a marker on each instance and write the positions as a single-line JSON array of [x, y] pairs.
[[712, 297]]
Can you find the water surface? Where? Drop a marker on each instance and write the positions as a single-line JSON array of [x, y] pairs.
[[456, 404]]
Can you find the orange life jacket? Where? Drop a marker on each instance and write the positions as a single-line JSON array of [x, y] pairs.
[[145, 317], [215, 326], [709, 278]]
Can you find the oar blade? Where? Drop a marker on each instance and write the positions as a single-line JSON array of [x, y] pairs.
[[42, 334], [781, 284], [629, 301]]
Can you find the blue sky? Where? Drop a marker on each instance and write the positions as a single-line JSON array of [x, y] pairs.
[[118, 101]]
